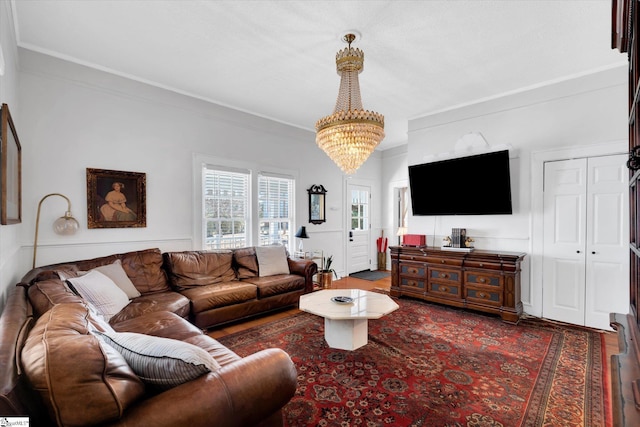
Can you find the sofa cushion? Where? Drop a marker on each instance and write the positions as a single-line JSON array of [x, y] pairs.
[[143, 268], [43, 295], [162, 301], [278, 284], [191, 269], [81, 379], [161, 362], [101, 292], [245, 262], [116, 273], [272, 260], [220, 295], [113, 271]]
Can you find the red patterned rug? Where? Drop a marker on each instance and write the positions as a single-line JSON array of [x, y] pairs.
[[428, 365]]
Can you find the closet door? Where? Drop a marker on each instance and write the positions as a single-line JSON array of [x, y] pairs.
[[585, 263], [565, 185], [607, 266]]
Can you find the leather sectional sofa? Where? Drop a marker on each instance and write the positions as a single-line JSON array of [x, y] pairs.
[[62, 363]]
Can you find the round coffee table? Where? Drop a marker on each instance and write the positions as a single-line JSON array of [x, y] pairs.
[[346, 324]]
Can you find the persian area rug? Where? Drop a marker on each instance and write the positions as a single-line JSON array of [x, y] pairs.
[[428, 365]]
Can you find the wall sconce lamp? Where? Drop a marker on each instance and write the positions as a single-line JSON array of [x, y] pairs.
[[65, 225], [301, 234]]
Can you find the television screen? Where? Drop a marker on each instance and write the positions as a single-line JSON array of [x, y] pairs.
[[472, 185]]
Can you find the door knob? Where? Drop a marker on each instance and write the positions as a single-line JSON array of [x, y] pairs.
[[577, 252], [593, 252], [351, 236]]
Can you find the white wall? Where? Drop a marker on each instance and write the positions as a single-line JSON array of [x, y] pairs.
[[73, 117], [578, 113], [10, 271]]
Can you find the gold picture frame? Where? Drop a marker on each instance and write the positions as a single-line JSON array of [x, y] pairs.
[[10, 170], [116, 199]]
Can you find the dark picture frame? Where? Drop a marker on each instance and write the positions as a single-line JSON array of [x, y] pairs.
[[10, 170], [317, 208], [116, 199]]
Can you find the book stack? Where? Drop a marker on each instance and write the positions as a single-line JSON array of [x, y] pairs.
[[458, 237]]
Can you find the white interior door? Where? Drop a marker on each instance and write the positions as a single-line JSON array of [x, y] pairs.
[[359, 244], [563, 264], [585, 262], [607, 265]]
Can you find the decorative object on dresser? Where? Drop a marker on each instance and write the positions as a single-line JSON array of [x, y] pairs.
[[116, 199], [481, 280], [414, 240]]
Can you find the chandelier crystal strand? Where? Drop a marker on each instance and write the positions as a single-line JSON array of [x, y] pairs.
[[351, 133]]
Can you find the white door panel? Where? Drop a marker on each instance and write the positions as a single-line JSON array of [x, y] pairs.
[[564, 237], [607, 262], [359, 245]]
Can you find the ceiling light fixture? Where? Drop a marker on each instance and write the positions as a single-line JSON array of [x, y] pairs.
[[351, 133]]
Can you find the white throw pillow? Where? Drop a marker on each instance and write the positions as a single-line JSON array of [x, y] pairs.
[[116, 273], [161, 362], [272, 260], [100, 291]]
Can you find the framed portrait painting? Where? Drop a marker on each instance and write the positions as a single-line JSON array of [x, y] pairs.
[[10, 170], [116, 199]]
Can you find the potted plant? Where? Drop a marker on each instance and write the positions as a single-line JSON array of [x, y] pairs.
[[326, 273]]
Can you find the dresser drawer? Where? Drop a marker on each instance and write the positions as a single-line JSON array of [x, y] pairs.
[[483, 295], [414, 269], [455, 262], [448, 290], [407, 257], [445, 275], [413, 284], [483, 278], [483, 264]]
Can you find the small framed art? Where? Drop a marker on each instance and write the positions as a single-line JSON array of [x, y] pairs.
[[116, 199]]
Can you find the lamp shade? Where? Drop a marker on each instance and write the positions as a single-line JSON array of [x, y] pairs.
[[66, 225], [302, 233]]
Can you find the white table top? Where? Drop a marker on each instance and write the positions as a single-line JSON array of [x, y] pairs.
[[365, 305]]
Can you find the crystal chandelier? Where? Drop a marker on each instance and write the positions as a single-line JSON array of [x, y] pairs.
[[351, 133]]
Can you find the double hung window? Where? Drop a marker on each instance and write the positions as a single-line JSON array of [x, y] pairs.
[[242, 208]]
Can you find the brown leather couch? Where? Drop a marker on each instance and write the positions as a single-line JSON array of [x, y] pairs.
[[55, 370]]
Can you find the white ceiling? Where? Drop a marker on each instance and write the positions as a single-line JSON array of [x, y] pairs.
[[276, 59]]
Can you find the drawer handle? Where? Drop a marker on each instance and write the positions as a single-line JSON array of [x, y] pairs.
[[481, 265], [413, 270], [443, 289], [482, 280], [481, 295], [444, 262], [443, 275], [411, 283]]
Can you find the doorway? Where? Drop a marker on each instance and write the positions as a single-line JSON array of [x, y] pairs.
[[359, 239], [585, 253]]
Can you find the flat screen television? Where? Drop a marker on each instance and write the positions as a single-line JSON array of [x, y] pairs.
[[471, 185]]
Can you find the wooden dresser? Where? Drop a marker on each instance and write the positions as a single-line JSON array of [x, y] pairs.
[[481, 280]]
